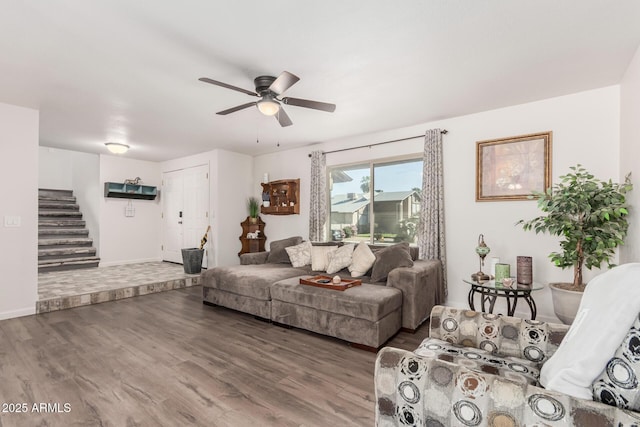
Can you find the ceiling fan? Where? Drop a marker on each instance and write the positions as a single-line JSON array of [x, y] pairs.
[[268, 89]]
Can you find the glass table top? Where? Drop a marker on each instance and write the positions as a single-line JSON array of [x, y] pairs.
[[491, 284]]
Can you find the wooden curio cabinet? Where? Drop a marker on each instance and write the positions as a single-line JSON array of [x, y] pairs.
[[284, 197], [252, 244]]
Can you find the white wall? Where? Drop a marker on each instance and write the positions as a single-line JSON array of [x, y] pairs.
[[72, 170], [630, 153], [230, 184], [585, 130], [18, 198], [129, 239]]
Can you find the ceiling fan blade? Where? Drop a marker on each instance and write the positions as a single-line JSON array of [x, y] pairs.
[[228, 86], [234, 109], [283, 118], [306, 103], [284, 81]]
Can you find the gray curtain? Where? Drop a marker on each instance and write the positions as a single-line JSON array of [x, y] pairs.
[[431, 229], [318, 210]]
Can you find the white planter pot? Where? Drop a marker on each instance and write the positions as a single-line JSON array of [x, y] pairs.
[[565, 303]]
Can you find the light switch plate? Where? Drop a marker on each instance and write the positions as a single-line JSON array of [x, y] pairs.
[[12, 221]]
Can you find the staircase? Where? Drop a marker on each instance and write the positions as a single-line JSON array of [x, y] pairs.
[[63, 240]]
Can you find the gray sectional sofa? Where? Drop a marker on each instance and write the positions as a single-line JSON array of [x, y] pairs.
[[266, 285]]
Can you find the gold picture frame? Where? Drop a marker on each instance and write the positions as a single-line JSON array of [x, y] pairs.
[[513, 168]]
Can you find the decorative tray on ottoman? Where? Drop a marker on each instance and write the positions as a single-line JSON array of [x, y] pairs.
[[327, 282]]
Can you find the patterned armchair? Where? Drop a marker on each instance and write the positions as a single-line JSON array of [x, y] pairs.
[[480, 369]]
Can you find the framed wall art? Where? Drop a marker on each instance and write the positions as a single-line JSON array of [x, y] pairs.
[[513, 168]]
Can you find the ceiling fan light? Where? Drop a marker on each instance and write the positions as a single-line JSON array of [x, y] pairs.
[[268, 107], [116, 147]]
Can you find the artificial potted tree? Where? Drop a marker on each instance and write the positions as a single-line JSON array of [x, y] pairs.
[[253, 205], [590, 217]]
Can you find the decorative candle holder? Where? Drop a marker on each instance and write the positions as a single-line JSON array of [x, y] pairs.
[[524, 268], [503, 271]]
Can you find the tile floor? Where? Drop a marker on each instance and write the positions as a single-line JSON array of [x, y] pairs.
[[60, 290]]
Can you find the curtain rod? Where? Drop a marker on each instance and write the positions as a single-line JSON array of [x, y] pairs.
[[443, 131]]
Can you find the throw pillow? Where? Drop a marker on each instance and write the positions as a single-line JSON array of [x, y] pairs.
[[390, 258], [320, 257], [362, 260], [608, 308], [300, 255], [340, 259], [277, 252], [617, 385]]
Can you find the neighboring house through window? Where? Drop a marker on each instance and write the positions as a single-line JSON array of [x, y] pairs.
[[394, 185]]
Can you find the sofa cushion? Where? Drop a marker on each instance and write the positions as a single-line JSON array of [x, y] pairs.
[[362, 260], [278, 253], [389, 258], [320, 257], [367, 302], [512, 368], [618, 385], [249, 280], [300, 255], [340, 259]]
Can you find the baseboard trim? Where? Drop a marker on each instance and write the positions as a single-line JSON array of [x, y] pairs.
[[17, 313]]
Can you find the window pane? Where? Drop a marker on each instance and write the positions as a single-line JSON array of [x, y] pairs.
[[396, 201], [349, 187]]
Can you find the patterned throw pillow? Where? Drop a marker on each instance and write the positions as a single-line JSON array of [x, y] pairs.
[[362, 260], [300, 255], [277, 252], [617, 385], [340, 259], [320, 257]]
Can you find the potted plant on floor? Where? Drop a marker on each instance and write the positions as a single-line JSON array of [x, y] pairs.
[[253, 205], [590, 217]]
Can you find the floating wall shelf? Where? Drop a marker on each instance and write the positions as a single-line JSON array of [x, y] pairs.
[[130, 191]]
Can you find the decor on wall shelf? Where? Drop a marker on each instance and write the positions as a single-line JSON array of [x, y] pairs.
[[284, 197], [253, 205], [482, 250], [513, 168], [252, 237], [130, 191]]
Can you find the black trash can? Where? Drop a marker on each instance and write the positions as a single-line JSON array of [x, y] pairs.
[[192, 260]]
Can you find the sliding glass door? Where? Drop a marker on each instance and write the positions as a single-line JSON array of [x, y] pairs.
[[377, 202]]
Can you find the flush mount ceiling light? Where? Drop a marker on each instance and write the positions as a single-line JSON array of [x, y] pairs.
[[268, 106], [116, 147]]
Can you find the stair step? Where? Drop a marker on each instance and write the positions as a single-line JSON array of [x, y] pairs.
[[67, 260], [59, 199], [60, 222], [66, 252], [62, 232], [65, 241], [51, 204], [64, 214], [67, 264], [52, 192]]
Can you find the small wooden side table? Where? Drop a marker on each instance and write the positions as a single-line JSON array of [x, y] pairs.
[[490, 291]]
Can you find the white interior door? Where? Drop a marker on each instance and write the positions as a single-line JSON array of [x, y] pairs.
[[172, 210], [185, 211]]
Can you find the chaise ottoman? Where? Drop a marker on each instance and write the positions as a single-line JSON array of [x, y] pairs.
[[365, 315]]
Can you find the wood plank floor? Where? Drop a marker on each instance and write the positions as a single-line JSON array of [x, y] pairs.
[[167, 360]]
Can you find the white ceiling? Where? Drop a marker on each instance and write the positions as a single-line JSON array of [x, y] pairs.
[[127, 71]]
